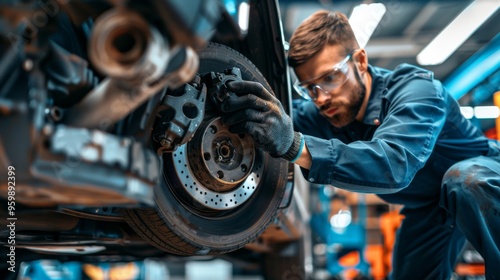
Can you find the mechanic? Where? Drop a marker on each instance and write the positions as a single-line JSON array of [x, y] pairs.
[[398, 134]]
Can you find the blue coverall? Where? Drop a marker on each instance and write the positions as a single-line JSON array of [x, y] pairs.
[[414, 148]]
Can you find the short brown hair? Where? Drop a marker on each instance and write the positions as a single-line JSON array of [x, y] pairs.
[[321, 28]]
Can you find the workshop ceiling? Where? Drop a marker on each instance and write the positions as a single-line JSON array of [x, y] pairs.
[[405, 29], [471, 73]]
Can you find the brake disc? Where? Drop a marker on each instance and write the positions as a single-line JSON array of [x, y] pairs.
[[220, 170]]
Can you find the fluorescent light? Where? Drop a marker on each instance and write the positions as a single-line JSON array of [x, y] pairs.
[[486, 112], [457, 32], [467, 112], [364, 20], [243, 16], [480, 112]]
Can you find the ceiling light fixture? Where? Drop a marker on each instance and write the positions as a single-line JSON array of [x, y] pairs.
[[467, 111], [364, 20], [480, 112], [457, 32], [243, 16], [486, 112]]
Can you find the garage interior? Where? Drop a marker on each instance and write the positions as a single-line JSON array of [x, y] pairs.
[[336, 234]]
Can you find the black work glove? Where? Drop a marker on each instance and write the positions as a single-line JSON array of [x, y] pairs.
[[257, 112]]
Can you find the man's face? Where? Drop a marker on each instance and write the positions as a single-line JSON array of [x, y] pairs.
[[340, 103]]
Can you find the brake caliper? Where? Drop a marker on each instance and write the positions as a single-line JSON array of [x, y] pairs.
[[182, 110], [179, 116]]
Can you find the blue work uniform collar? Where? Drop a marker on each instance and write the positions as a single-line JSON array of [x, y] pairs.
[[372, 112]]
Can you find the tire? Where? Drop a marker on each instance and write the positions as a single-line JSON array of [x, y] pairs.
[[179, 225]]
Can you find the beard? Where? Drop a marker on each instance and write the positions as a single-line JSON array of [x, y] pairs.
[[351, 108]]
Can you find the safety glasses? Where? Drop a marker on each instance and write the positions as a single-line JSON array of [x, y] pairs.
[[326, 82]]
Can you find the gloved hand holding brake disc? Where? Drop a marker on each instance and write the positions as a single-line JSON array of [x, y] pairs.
[[257, 112]]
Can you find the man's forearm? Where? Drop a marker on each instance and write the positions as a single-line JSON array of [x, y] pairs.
[[304, 159]]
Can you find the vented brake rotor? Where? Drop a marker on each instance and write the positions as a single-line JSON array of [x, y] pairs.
[[220, 170]]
